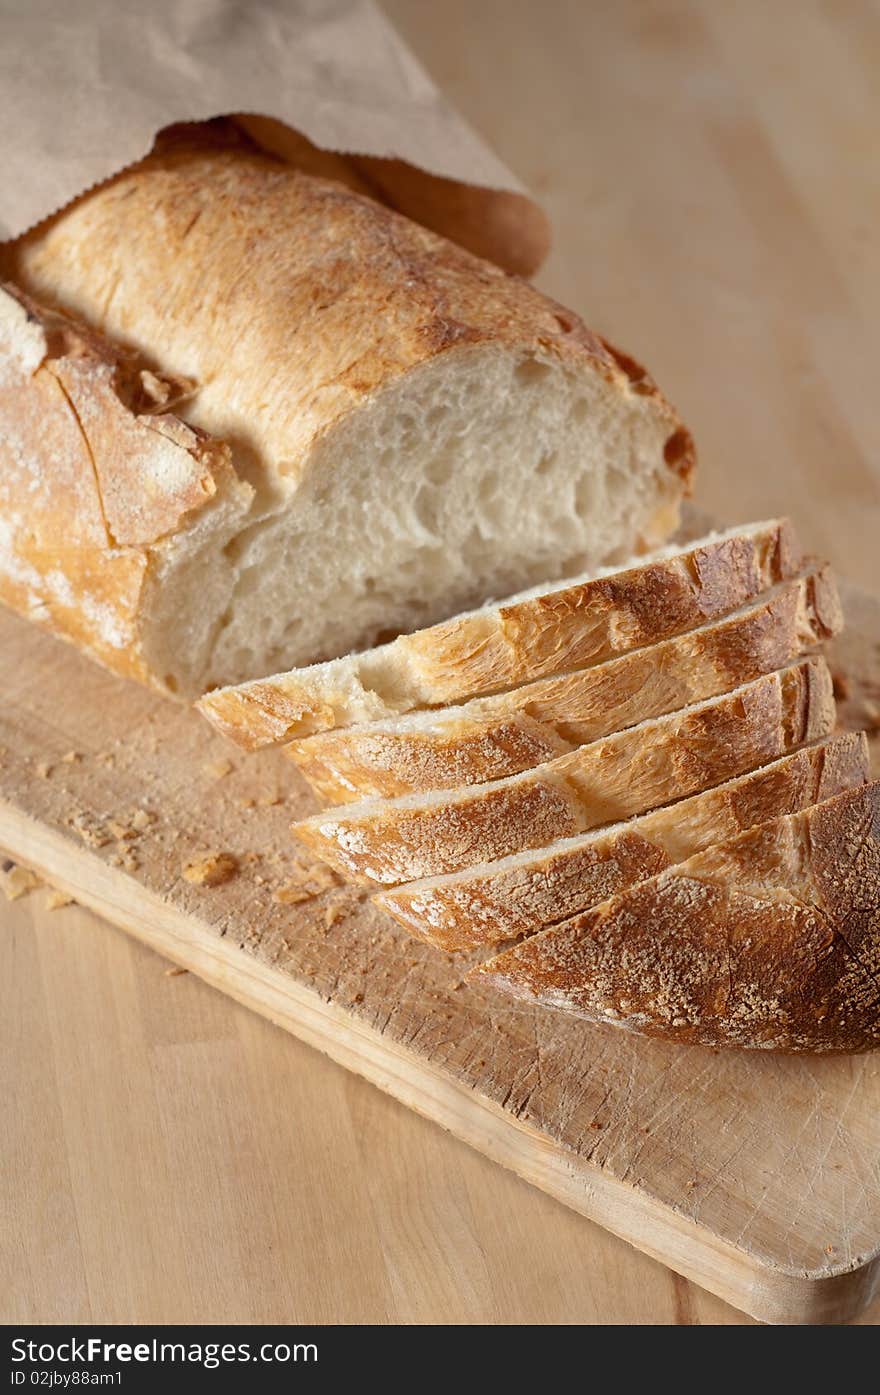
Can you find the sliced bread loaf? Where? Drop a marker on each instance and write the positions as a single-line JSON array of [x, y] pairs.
[[769, 941], [406, 429], [516, 896], [586, 621], [493, 737], [667, 758]]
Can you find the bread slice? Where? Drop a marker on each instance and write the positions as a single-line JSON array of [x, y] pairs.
[[548, 630], [496, 902], [410, 428], [667, 758], [770, 941], [490, 738]]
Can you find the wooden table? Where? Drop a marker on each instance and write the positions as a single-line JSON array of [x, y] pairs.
[[710, 171]]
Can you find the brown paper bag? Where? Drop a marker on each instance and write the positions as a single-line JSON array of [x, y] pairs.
[[86, 87]]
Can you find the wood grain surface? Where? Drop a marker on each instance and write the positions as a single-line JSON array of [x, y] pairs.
[[131, 803], [173, 1157]]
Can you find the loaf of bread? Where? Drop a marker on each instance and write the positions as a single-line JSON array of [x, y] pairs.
[[495, 902], [490, 738], [769, 941], [548, 630], [252, 420], [667, 758], [285, 420]]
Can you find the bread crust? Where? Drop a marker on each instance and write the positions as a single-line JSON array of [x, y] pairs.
[[770, 942], [99, 478], [500, 646], [491, 738], [341, 297], [507, 900], [326, 265], [652, 764]]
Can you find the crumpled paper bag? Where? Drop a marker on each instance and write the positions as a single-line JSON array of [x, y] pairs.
[[85, 86]]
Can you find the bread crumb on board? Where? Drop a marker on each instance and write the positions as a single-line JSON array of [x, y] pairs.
[[17, 881], [120, 830], [126, 826], [174, 972], [343, 905], [310, 882], [124, 856], [217, 769], [91, 830], [97, 831], [209, 868]]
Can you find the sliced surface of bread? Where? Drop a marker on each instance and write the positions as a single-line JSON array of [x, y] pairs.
[[667, 758], [588, 620], [496, 902], [493, 737], [770, 941]]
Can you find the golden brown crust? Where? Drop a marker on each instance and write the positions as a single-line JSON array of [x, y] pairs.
[[615, 614], [771, 942], [417, 836], [500, 646], [379, 293], [491, 738], [341, 297], [499, 225], [510, 899], [97, 475]]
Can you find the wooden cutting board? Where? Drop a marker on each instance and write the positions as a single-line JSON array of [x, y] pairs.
[[756, 1177]]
